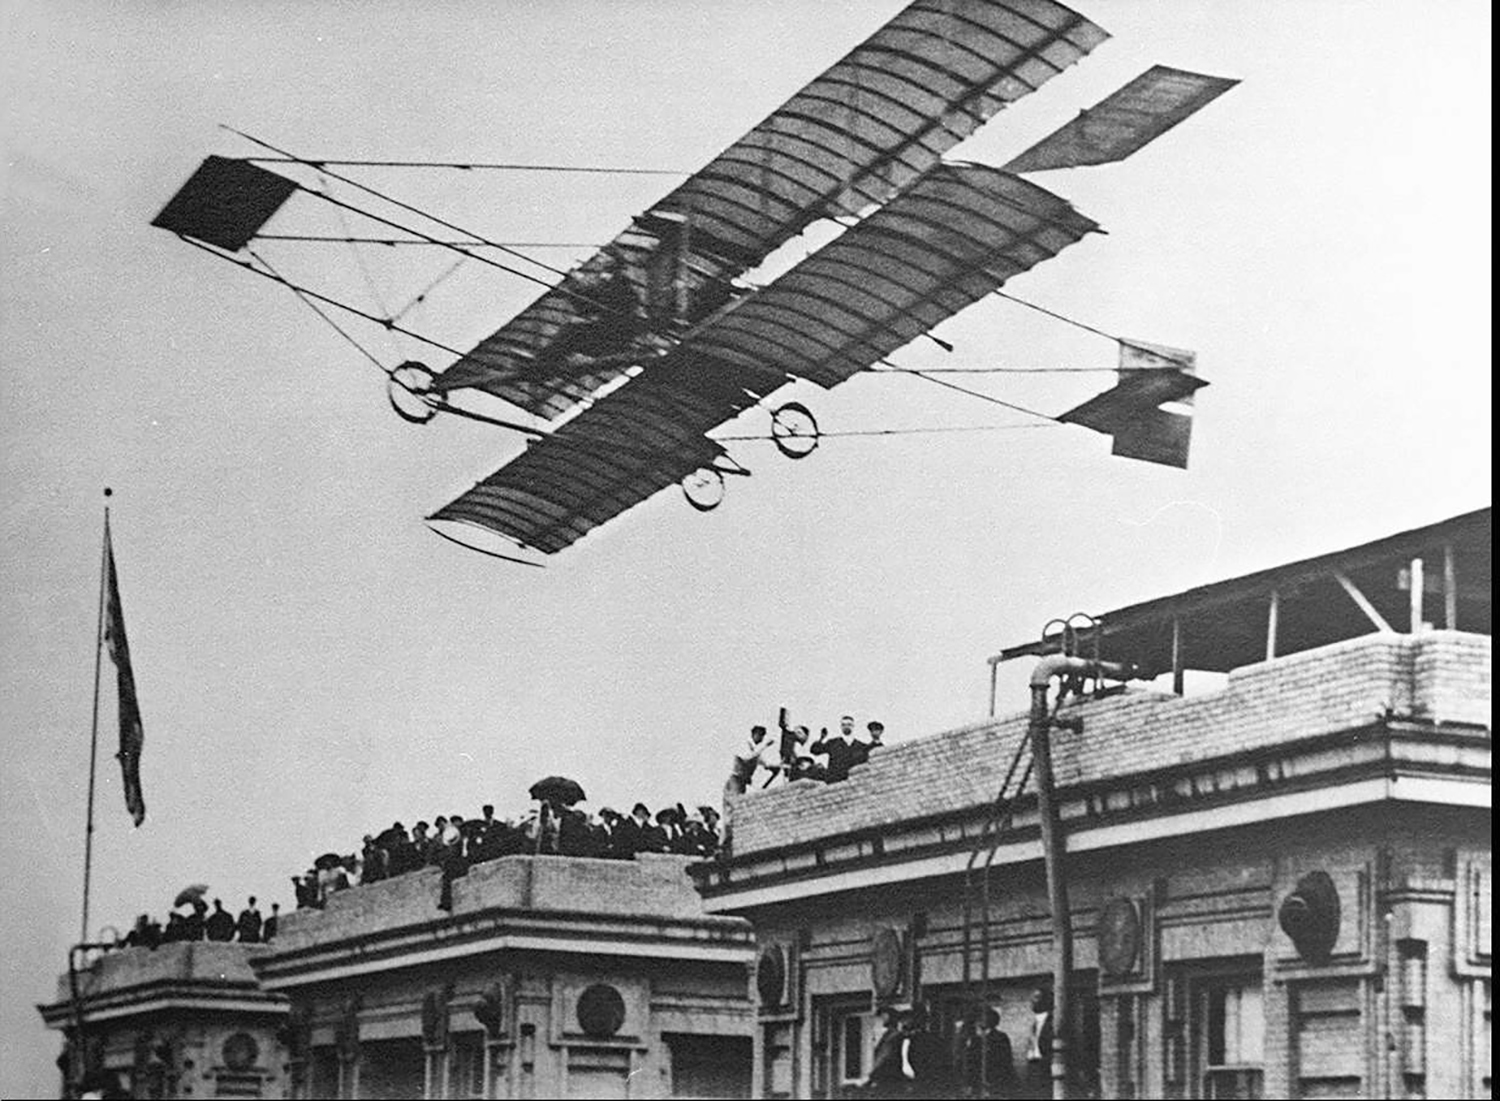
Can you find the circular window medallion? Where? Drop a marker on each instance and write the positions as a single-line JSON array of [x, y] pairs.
[[1310, 916], [240, 1051], [1119, 937], [885, 963], [601, 1011], [770, 975]]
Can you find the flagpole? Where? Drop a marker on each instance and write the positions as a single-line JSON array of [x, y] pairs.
[[88, 835]]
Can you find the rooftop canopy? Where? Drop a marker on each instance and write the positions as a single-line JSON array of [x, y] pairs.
[[1437, 575]]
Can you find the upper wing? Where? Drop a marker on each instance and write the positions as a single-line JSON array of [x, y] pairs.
[[855, 136], [1125, 120], [952, 238]]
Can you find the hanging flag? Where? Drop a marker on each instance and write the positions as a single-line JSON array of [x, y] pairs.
[[132, 736]]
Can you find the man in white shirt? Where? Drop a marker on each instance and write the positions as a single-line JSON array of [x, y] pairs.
[[1039, 1045]]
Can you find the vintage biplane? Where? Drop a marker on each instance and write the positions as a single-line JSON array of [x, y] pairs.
[[633, 357]]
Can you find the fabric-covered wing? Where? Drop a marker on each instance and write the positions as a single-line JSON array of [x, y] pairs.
[[1125, 120], [643, 437], [877, 119], [855, 136], [946, 242]]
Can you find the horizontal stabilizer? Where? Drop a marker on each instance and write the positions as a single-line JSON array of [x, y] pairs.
[[1151, 375]]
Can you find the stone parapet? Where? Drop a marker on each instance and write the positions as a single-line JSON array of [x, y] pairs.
[[224, 964], [652, 887]]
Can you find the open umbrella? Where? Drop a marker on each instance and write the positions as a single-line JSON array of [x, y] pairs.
[[328, 860], [193, 893], [558, 789]]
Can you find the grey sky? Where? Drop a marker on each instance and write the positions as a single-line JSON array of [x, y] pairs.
[[313, 664]]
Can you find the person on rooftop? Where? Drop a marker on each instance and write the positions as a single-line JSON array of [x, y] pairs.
[[862, 750], [759, 752], [194, 925], [797, 757], [373, 861], [220, 924], [843, 751], [635, 833], [248, 925], [268, 930]]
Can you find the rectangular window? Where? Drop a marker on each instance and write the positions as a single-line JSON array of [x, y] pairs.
[[853, 1042], [467, 1061], [324, 1073], [1221, 1022], [1235, 1040]]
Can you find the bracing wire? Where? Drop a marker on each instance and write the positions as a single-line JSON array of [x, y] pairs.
[[915, 431], [992, 370], [470, 242], [364, 269], [425, 291], [985, 397], [310, 304], [604, 170], [406, 207], [1065, 319], [312, 294]]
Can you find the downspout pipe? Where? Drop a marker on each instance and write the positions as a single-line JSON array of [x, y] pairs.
[[1054, 845]]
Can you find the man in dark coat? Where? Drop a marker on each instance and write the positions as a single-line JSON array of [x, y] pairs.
[[988, 1062], [931, 1061], [888, 1077], [249, 923], [193, 926], [268, 930], [220, 924], [842, 750]]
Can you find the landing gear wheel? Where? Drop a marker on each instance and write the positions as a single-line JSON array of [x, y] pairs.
[[704, 488], [410, 390], [794, 430]]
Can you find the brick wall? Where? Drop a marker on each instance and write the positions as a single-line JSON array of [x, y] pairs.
[[1439, 676]]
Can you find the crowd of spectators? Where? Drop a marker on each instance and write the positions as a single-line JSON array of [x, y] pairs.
[[970, 1056], [794, 755], [455, 843], [193, 920]]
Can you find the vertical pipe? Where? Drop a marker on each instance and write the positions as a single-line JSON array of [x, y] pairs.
[[1273, 618], [1057, 887], [1417, 584], [1450, 589], [994, 679], [1177, 679], [88, 830]]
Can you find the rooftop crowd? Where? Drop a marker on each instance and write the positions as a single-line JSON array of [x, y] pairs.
[[201, 923], [455, 843], [793, 755]]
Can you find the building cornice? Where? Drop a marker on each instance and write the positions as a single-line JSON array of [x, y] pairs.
[[186, 996], [715, 939], [1396, 761]]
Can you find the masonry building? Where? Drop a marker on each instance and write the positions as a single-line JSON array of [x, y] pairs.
[[1279, 886], [549, 976], [181, 1020]]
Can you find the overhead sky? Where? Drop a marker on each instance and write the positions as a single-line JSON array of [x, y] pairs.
[[312, 663]]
